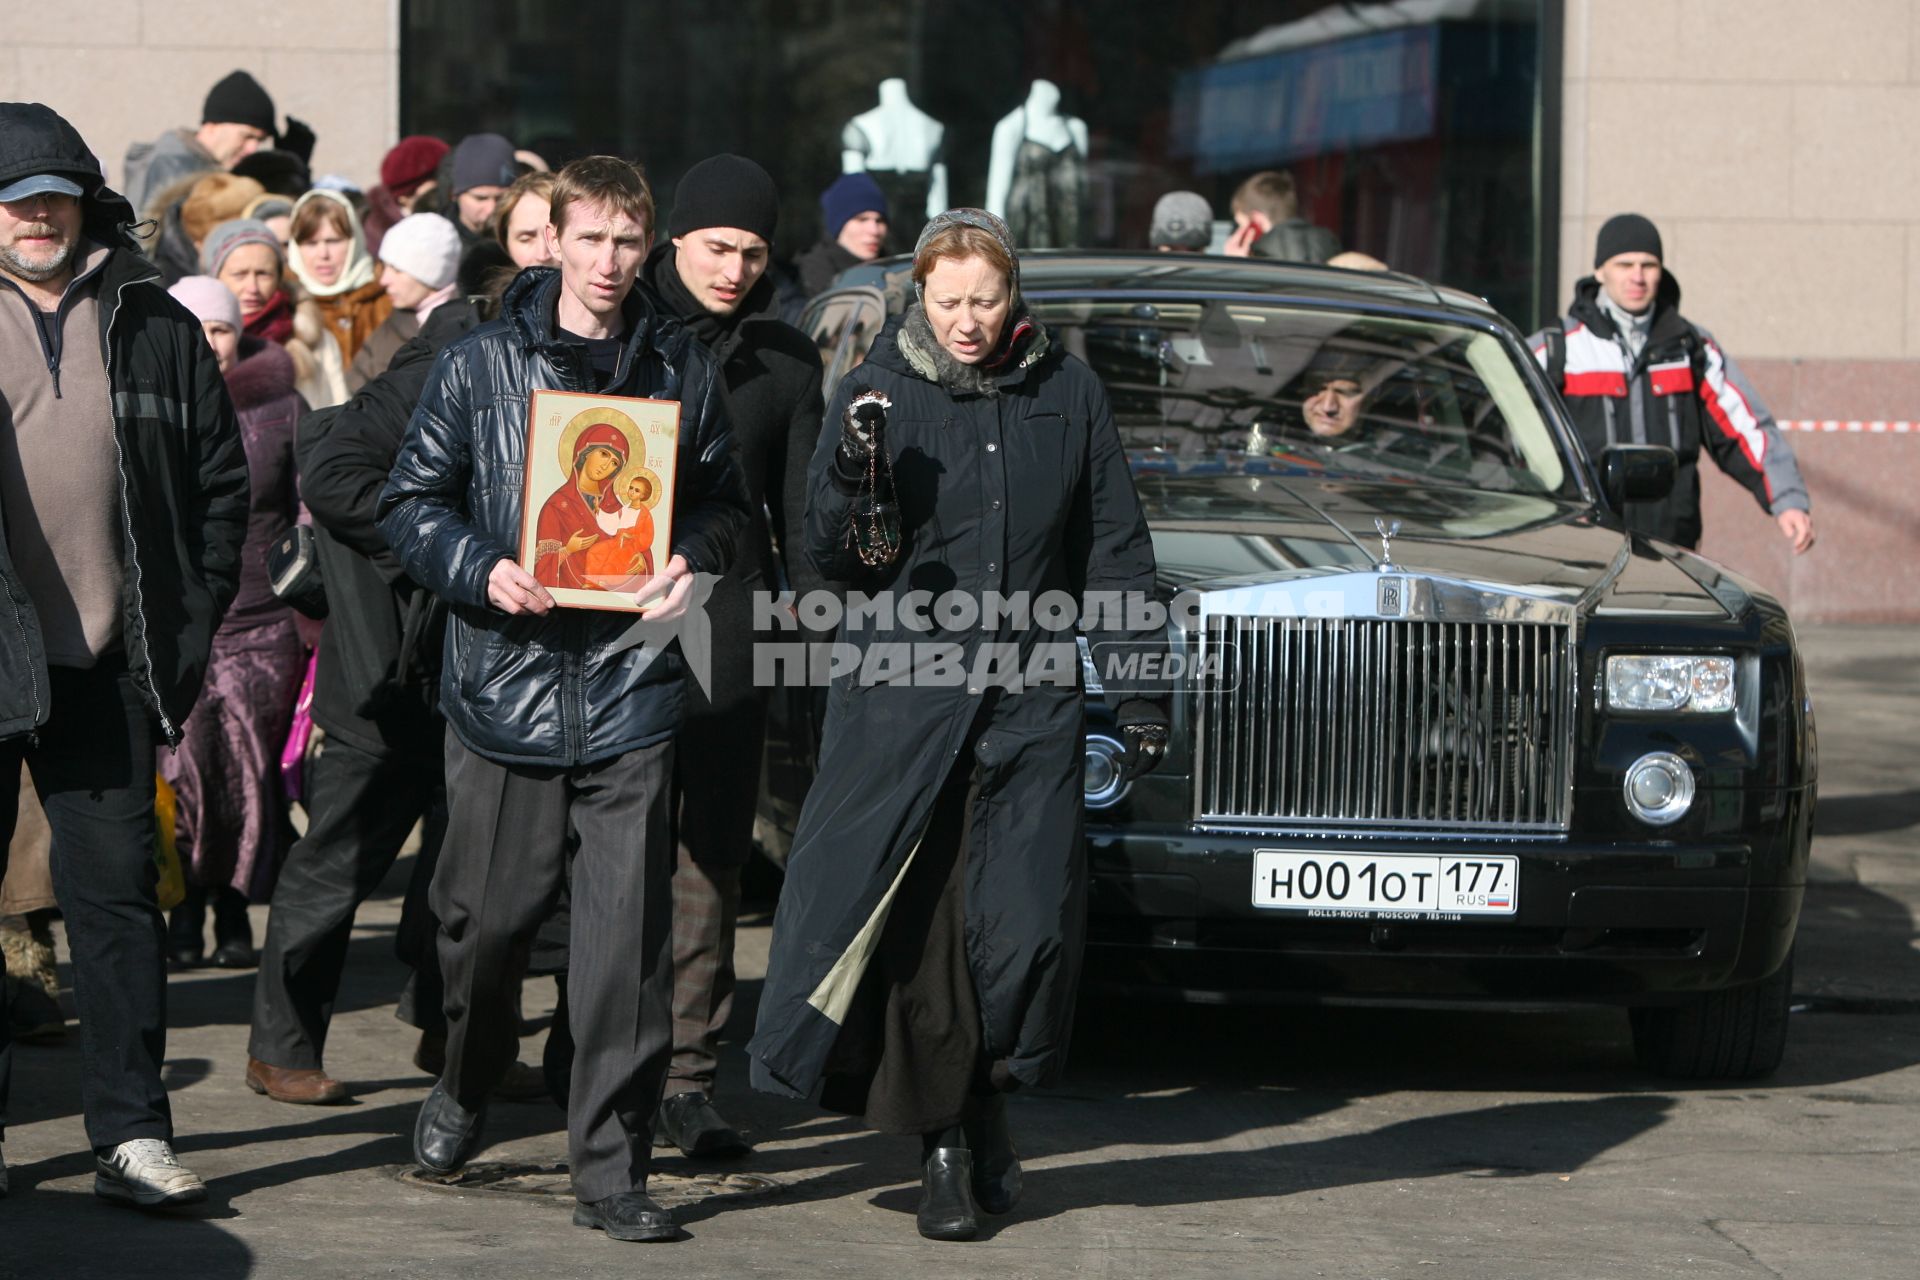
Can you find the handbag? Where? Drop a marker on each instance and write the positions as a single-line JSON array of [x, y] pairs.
[[293, 571], [293, 756]]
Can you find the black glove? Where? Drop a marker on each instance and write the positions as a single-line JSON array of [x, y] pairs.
[[298, 138], [1143, 727]]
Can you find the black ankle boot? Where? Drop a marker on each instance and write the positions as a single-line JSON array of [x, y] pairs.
[[947, 1211], [996, 1165], [186, 925], [232, 931]]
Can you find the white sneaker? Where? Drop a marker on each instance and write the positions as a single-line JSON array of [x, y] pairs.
[[144, 1172]]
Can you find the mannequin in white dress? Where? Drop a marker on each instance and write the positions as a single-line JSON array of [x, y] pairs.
[[898, 144], [1037, 171]]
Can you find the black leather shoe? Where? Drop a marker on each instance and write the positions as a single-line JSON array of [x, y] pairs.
[[236, 953], [996, 1165], [447, 1134], [180, 959], [947, 1211], [689, 1122], [631, 1215]]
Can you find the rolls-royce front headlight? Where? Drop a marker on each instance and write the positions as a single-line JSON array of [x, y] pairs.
[[1669, 682]]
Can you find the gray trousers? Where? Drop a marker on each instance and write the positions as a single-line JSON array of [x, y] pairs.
[[502, 866]]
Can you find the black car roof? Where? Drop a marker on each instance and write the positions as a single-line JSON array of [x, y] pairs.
[[1079, 271]]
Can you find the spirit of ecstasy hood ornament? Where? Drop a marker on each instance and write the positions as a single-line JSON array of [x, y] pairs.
[[1388, 530]]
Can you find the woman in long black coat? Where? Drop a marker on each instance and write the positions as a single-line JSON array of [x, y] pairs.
[[929, 934]]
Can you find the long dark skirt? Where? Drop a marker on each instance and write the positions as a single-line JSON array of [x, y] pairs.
[[912, 1051], [231, 817]]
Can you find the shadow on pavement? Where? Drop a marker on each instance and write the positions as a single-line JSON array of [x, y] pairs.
[[1856, 952], [1867, 815], [1521, 1140], [44, 1232]]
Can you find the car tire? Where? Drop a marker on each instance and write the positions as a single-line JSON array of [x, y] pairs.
[[1725, 1035]]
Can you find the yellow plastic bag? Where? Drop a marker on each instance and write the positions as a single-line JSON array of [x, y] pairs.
[[173, 880]]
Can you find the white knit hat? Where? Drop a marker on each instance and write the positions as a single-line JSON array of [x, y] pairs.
[[425, 246]]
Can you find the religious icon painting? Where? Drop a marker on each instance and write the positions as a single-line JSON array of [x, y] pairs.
[[598, 503]]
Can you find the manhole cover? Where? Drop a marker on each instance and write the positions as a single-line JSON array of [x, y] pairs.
[[672, 1190]]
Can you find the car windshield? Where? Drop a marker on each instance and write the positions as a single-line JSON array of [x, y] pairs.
[[1234, 386]]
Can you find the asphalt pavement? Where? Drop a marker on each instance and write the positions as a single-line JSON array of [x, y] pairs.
[[1339, 1143]]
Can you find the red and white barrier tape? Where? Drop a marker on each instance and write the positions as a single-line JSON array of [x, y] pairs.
[[1831, 425]]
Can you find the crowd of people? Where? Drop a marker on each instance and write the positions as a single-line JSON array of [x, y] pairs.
[[264, 433], [305, 402]]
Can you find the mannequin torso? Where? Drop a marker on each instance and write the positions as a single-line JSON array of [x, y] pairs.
[[1038, 164], [898, 138]]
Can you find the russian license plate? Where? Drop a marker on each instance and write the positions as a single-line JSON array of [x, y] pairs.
[[1386, 883]]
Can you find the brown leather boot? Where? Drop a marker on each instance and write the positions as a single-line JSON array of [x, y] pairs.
[[307, 1086]]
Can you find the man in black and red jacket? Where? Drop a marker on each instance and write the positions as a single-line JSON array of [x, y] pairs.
[[1633, 370]]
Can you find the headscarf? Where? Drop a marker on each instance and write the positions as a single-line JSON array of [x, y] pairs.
[[1020, 326], [992, 224], [359, 267], [601, 435]]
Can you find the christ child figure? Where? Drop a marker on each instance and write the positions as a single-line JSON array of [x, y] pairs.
[[623, 557]]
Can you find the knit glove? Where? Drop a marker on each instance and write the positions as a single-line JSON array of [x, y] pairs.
[[1143, 727], [863, 433]]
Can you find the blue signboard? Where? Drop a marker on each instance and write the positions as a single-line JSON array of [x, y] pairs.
[[1330, 97]]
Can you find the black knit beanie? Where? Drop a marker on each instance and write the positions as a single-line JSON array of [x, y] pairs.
[[239, 99], [725, 191], [1627, 233]]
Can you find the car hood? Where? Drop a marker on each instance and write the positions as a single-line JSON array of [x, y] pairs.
[[1233, 529]]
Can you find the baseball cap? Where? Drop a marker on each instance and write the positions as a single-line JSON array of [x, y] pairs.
[[40, 184]]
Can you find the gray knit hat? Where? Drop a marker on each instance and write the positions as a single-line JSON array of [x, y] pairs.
[[987, 222], [228, 236]]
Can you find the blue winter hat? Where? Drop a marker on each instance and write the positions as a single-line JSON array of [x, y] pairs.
[[851, 195]]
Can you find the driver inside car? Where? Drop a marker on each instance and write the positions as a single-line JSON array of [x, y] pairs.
[[1332, 408]]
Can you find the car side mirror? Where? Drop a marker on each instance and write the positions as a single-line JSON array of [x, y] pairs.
[[1637, 473]]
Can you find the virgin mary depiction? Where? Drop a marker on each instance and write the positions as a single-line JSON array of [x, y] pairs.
[[567, 527]]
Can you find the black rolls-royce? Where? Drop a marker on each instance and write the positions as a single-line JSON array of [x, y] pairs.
[[1442, 730]]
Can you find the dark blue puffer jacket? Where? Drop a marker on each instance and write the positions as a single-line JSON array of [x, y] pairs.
[[572, 687]]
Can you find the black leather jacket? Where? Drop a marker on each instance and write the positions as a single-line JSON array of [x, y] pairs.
[[572, 687]]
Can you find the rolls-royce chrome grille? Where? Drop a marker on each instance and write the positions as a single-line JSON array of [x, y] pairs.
[[1384, 723]]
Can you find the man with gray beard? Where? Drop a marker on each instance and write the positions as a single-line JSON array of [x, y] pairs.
[[123, 506]]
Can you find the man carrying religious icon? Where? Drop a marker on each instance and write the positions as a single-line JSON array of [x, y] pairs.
[[560, 724]]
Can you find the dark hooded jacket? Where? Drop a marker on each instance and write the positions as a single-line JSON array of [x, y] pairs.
[[1008, 480], [183, 473], [575, 686], [1681, 391], [379, 656]]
